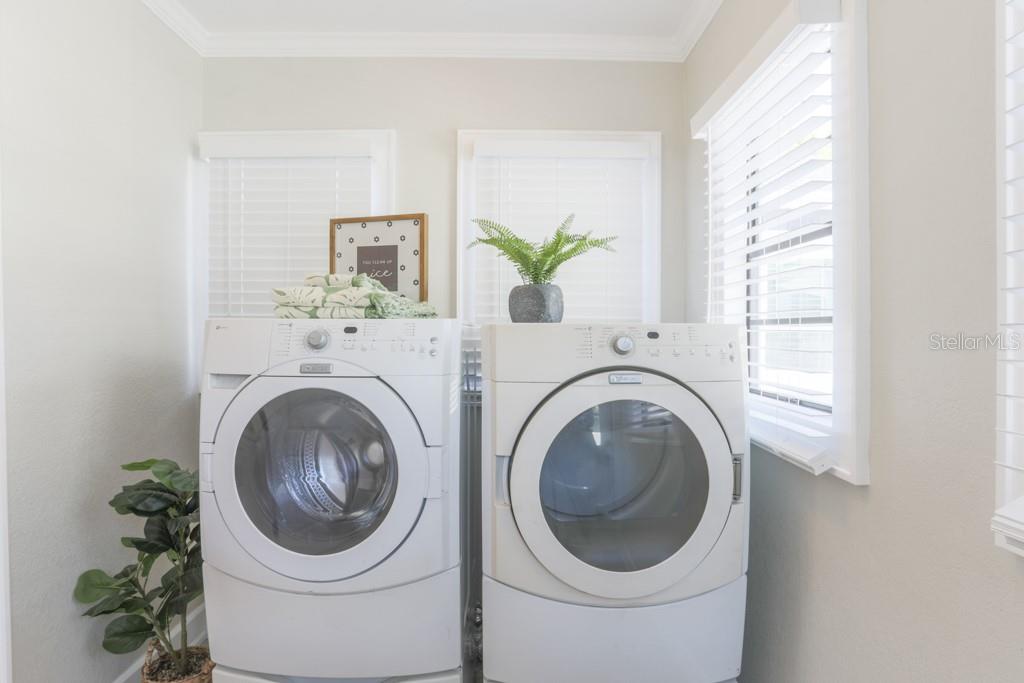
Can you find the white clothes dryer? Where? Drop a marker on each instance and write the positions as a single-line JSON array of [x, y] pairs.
[[614, 490], [329, 473]]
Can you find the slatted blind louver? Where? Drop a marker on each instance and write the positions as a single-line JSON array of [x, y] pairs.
[[268, 223], [770, 256], [533, 195]]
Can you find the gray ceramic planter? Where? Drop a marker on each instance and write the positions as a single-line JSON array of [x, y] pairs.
[[536, 304]]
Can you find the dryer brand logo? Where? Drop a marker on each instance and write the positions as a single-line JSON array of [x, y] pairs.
[[625, 378]]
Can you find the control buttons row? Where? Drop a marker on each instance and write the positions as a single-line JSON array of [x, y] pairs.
[[319, 339]]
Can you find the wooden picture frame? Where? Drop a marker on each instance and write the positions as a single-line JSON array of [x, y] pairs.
[[392, 249]]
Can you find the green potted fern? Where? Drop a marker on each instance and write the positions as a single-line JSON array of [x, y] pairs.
[[538, 299]]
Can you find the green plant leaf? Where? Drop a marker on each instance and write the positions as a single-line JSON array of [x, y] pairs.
[[145, 499], [169, 580], [108, 605], [194, 559], [96, 584], [143, 546], [126, 572], [192, 579], [176, 524], [140, 465], [147, 560], [156, 532], [170, 474], [126, 634]]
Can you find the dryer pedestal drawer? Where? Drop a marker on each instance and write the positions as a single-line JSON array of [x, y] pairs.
[[699, 640], [303, 634]]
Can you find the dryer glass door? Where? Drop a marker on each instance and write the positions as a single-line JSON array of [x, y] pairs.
[[319, 479], [621, 490], [624, 485]]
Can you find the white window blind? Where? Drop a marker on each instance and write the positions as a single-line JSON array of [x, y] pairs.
[[1008, 522], [531, 182], [269, 215], [770, 253]]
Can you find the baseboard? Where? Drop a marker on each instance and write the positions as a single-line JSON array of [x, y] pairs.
[[197, 635]]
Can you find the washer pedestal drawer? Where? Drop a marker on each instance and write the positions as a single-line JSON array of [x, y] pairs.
[[225, 675], [408, 630], [529, 639]]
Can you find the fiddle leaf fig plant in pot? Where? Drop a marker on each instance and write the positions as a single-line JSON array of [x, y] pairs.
[[538, 299], [148, 607]]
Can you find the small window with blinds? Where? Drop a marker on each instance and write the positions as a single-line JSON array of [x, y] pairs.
[[271, 197], [530, 181], [770, 256]]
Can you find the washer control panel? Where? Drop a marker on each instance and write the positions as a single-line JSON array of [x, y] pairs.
[[363, 342]]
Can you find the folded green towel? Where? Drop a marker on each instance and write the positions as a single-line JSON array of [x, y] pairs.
[[324, 297], [336, 280], [391, 305], [338, 296], [319, 312]]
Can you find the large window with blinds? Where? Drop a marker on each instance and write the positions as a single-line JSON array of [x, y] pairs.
[[782, 243], [532, 180], [1008, 521], [271, 197]]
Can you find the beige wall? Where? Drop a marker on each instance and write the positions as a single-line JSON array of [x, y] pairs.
[[428, 100], [99, 105], [898, 581]]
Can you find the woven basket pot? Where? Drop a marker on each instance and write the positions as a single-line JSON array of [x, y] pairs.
[[153, 654]]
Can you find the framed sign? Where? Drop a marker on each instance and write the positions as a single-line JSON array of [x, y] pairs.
[[391, 249]]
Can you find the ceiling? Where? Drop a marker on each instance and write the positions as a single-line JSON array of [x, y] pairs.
[[634, 30]]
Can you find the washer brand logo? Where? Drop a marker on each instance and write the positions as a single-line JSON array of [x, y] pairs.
[[623, 378], [315, 368]]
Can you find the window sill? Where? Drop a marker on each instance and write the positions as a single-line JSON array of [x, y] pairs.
[[816, 463], [1008, 526]]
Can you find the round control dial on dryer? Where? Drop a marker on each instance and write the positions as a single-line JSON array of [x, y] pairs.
[[623, 345], [318, 339]]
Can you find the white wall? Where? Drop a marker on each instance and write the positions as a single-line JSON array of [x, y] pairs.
[[428, 100], [898, 581], [99, 103]]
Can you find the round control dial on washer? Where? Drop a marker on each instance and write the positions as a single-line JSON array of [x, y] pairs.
[[318, 339], [623, 345]]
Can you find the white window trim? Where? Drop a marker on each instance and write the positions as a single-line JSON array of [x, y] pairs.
[[628, 144], [6, 658], [379, 144], [851, 318]]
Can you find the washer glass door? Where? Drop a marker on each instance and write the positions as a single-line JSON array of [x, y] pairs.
[[319, 478], [624, 485], [316, 471]]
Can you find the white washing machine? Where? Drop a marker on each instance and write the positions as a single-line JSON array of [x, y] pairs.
[[330, 500], [614, 489]]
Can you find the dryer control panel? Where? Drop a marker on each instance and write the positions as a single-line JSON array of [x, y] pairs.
[[694, 352]]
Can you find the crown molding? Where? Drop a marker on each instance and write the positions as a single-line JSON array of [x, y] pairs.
[[181, 21], [674, 48]]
